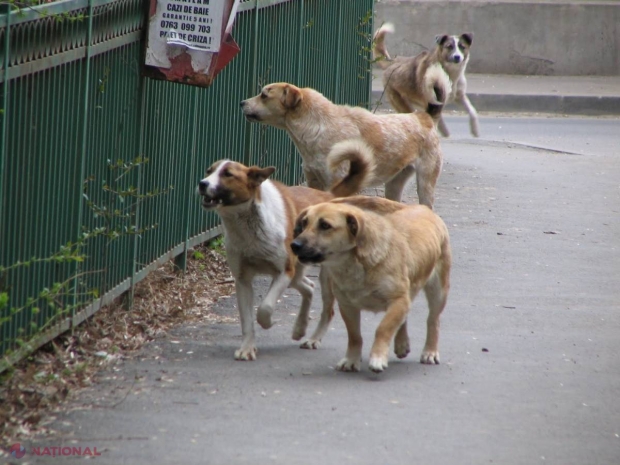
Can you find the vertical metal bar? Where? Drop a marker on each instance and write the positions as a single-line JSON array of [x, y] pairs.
[[248, 155], [338, 53], [5, 109], [84, 135], [136, 238], [299, 42], [181, 259], [5, 9], [371, 28]]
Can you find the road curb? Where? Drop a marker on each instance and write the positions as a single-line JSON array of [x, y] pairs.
[[580, 105]]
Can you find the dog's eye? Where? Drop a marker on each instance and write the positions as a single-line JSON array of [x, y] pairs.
[[227, 174], [263, 96], [462, 47], [449, 46], [324, 225], [209, 171]]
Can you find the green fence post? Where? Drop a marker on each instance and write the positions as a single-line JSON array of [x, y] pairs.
[[249, 128], [338, 54], [181, 260], [6, 10], [136, 239], [85, 109]]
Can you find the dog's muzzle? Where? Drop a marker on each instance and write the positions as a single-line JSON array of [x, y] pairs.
[[251, 117], [306, 254], [208, 201]]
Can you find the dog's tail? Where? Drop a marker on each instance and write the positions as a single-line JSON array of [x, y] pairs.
[[437, 88], [379, 51], [361, 166]]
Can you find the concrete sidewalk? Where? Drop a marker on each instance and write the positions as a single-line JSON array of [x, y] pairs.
[[529, 340], [572, 95]]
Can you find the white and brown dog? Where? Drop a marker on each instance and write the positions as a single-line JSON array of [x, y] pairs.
[[434, 78], [401, 145], [379, 254], [258, 216]]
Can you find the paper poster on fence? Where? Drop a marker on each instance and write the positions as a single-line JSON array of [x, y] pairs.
[[186, 36]]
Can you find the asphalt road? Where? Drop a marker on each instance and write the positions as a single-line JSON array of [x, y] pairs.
[[529, 344]]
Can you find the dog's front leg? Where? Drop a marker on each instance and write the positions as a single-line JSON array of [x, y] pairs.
[[277, 288], [245, 302], [327, 295], [353, 359], [306, 288], [394, 318]]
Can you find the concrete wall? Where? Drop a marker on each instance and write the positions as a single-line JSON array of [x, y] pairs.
[[572, 38]]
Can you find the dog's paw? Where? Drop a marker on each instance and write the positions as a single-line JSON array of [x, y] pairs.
[[430, 357], [299, 331], [246, 354], [401, 348], [263, 317], [349, 365], [311, 344], [377, 364]]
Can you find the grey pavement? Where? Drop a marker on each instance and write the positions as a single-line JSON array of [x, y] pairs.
[[572, 95], [529, 342]]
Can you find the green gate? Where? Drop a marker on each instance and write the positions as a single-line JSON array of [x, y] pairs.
[[98, 165]]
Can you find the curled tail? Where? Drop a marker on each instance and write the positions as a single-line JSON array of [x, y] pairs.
[[361, 166], [379, 51], [437, 89]]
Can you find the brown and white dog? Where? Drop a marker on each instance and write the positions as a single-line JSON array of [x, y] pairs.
[[379, 255], [401, 144], [434, 78], [258, 216]]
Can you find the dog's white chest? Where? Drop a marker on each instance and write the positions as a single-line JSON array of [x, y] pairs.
[[259, 231]]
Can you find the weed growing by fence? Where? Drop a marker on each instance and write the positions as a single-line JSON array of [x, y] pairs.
[[115, 218]]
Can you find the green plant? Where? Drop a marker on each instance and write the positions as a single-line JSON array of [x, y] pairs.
[[114, 216], [196, 255], [217, 245]]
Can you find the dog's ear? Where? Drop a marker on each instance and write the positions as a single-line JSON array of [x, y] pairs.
[[354, 225], [258, 175], [300, 223], [441, 38], [291, 96], [468, 38]]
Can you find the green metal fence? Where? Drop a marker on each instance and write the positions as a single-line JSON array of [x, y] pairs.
[[73, 103]]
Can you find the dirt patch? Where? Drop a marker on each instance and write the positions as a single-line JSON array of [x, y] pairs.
[[36, 386]]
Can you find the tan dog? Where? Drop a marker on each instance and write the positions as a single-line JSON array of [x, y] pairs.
[[379, 254], [399, 144], [258, 217], [430, 78]]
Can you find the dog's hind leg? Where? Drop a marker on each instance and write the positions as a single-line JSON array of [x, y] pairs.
[[441, 126], [436, 290], [394, 187], [305, 288], [461, 98], [327, 313], [427, 170], [245, 302], [398, 103], [401, 342], [277, 288]]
